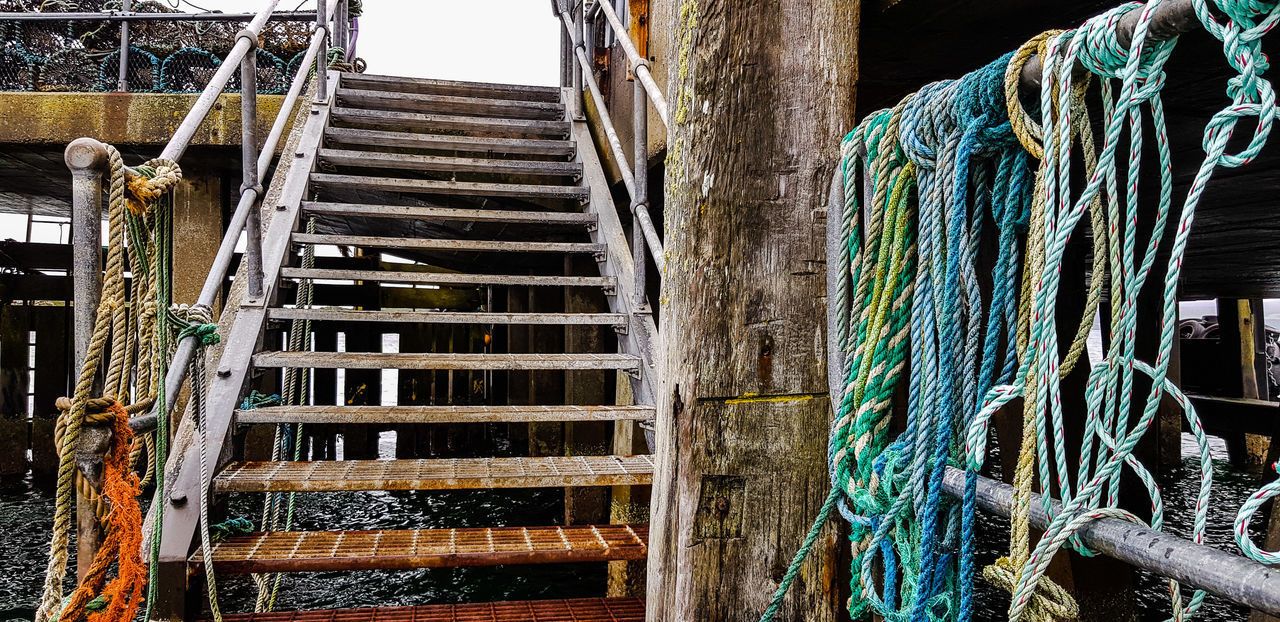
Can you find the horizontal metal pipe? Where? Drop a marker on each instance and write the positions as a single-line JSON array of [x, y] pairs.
[[639, 64], [130, 16], [1170, 19], [230, 65], [1238, 579]]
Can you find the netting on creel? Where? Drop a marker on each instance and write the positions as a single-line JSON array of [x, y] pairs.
[[143, 71], [188, 70], [164, 56]]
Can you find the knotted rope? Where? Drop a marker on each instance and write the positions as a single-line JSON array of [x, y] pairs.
[[134, 210]]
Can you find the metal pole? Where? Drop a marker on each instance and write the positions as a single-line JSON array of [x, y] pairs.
[[249, 164], [1235, 578], [640, 199], [1169, 20], [566, 49], [195, 117], [123, 84], [119, 16], [579, 107], [322, 61], [341, 28], [87, 159]]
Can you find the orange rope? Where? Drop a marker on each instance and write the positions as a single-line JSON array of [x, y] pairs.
[[123, 544]]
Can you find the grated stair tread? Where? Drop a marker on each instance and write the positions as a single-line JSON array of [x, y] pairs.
[[440, 414], [448, 187], [400, 121], [444, 360], [414, 162], [446, 317], [435, 474], [315, 551], [454, 279], [452, 104], [444, 244], [348, 136], [448, 214], [574, 610]]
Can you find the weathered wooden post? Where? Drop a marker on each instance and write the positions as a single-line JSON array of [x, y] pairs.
[[761, 94]]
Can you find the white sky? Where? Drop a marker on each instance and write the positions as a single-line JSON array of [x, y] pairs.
[[510, 41]]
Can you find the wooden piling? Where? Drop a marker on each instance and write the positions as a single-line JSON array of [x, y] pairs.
[[585, 505], [743, 409], [1241, 343]]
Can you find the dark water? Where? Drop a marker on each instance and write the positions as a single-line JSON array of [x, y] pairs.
[[25, 520]]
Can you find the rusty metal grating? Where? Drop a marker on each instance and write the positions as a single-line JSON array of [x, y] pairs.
[[457, 473], [577, 610], [306, 551]]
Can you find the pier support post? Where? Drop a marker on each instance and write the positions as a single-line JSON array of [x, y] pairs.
[[743, 412]]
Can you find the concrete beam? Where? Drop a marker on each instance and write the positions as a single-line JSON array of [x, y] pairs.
[[122, 118]]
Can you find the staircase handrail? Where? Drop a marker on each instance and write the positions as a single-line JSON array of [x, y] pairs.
[[86, 207], [634, 177]]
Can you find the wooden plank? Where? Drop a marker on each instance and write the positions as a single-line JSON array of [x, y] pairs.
[[446, 317], [453, 188], [448, 474], [440, 142], [316, 551], [584, 609], [447, 278], [491, 246], [441, 414], [450, 87], [445, 361], [449, 104], [388, 120], [449, 214], [412, 162]]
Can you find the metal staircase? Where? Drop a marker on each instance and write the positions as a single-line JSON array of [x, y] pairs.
[[483, 186]]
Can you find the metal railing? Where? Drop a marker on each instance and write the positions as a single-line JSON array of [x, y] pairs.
[[636, 176], [86, 158]]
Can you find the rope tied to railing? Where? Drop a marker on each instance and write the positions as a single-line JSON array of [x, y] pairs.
[[125, 327]]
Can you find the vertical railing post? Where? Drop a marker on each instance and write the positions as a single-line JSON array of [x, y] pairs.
[[249, 163], [566, 48], [87, 160], [123, 84], [578, 7], [640, 201], [322, 59], [341, 30]]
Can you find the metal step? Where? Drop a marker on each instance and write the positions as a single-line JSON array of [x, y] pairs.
[[449, 278], [324, 551], [449, 104], [455, 188], [440, 414], [400, 121], [447, 317], [574, 610], [359, 210], [345, 136], [449, 474], [449, 87], [444, 361], [436, 244], [408, 162]]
